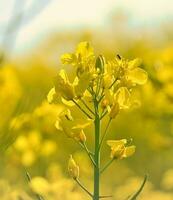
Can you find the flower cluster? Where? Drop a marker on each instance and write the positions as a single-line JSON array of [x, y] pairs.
[[111, 80]]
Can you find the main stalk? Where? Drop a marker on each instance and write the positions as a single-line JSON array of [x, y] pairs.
[[97, 152]]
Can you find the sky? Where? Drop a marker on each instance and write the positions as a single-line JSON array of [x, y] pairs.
[[72, 14]]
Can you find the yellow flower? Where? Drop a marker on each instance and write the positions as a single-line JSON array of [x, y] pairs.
[[71, 127], [69, 91], [63, 86], [128, 72], [80, 136], [82, 84], [122, 97], [73, 168], [85, 50], [39, 185], [119, 150], [83, 58], [134, 74]]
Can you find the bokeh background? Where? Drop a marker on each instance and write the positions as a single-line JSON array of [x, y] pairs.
[[33, 35]]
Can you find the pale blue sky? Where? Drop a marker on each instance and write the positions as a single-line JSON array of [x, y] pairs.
[[70, 14]]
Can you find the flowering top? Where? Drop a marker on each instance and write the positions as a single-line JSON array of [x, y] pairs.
[[110, 81]]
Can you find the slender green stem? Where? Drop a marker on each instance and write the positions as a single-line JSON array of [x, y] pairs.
[[83, 187], [87, 106], [89, 154], [112, 83], [102, 96], [97, 152], [106, 166], [103, 115], [82, 109], [98, 86], [104, 134]]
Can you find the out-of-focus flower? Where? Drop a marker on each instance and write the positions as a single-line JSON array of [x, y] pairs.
[[39, 185]]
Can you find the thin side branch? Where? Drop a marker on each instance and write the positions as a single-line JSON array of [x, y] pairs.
[[105, 132], [89, 154], [112, 83], [103, 115], [107, 165], [82, 109], [87, 106], [83, 187]]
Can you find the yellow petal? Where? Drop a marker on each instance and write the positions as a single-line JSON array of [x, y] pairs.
[[82, 85], [84, 49], [129, 151], [122, 97], [107, 80], [52, 96], [39, 185], [57, 125], [137, 76], [81, 124], [114, 110], [63, 86], [67, 102], [116, 143], [134, 63], [69, 58]]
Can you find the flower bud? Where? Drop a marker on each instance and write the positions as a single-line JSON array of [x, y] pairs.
[[104, 103], [73, 168], [100, 62], [82, 136]]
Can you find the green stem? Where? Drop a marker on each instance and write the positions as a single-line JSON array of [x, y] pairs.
[[106, 166], [83, 187], [97, 152], [89, 154], [87, 106], [105, 132], [105, 113], [82, 109]]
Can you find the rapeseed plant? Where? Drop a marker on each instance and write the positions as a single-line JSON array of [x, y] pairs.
[[101, 88]]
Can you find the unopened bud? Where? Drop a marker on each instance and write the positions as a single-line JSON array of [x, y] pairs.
[[104, 103], [100, 62], [82, 136], [73, 168]]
